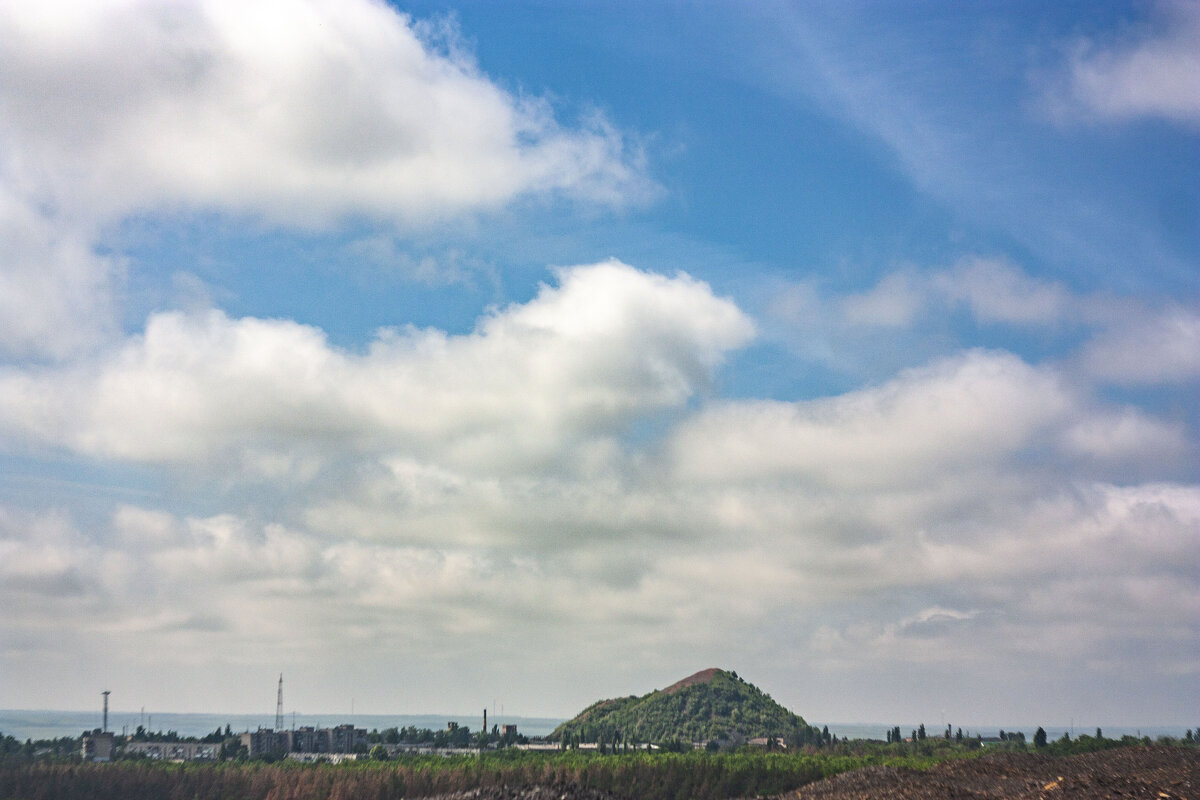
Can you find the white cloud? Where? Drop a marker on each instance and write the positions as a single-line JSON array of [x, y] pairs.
[[42, 560], [993, 290], [1127, 435], [297, 112], [907, 317], [894, 302], [966, 410], [56, 294], [919, 525], [1153, 76], [1042, 572], [1070, 574], [996, 291], [300, 114], [1160, 347], [587, 357]]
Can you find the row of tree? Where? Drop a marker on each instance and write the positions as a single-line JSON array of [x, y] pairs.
[[455, 736], [143, 735]]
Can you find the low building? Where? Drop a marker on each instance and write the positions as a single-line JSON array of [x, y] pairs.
[[769, 743], [322, 758], [98, 745], [265, 741], [175, 751]]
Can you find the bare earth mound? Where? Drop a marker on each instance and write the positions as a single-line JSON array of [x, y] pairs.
[[1162, 773], [703, 676]]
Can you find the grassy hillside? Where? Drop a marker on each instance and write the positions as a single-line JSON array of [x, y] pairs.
[[710, 705]]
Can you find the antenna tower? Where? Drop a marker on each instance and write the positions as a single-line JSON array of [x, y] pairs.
[[279, 705]]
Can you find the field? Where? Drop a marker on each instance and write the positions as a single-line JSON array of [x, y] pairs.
[[1159, 772]]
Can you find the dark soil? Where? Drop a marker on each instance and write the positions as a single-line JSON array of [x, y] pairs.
[[557, 792], [1160, 773]]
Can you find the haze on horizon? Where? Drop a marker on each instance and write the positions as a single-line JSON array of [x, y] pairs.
[[458, 352]]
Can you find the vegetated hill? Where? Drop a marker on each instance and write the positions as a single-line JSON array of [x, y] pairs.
[[711, 705]]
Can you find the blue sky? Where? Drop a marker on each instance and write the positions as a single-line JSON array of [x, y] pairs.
[[444, 353]]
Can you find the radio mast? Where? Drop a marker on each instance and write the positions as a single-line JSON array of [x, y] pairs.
[[279, 705]]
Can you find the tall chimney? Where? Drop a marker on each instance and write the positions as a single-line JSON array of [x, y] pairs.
[[485, 719], [106, 693]]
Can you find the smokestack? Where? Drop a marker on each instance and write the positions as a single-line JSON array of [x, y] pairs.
[[485, 720], [106, 693]]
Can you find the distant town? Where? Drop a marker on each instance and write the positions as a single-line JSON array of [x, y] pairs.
[[303, 743], [726, 713]]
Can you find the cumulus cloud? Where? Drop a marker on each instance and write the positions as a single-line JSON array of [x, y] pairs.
[[1150, 76], [57, 295], [296, 112], [588, 356], [301, 115], [964, 410]]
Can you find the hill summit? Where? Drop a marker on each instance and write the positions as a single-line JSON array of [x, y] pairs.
[[711, 705]]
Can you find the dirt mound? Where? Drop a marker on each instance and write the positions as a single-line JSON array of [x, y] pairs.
[[703, 676], [1161, 773]]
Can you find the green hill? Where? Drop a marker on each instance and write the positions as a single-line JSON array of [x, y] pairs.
[[710, 705]]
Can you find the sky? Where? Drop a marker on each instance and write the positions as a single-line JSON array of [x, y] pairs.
[[454, 355]]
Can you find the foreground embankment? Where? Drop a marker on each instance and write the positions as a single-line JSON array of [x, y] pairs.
[[1155, 772], [1161, 773]]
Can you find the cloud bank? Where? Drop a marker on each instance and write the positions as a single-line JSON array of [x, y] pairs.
[[492, 486]]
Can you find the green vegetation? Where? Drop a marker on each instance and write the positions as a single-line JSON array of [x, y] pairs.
[[713, 705], [1066, 746], [61, 748], [653, 776], [459, 736], [697, 774]]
